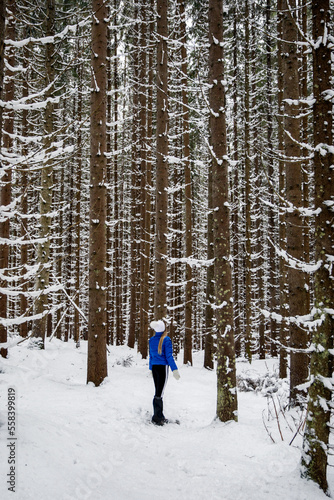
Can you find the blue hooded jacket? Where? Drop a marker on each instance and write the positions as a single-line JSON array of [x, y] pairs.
[[166, 356]]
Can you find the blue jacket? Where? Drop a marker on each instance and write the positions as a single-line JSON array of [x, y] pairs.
[[166, 356]]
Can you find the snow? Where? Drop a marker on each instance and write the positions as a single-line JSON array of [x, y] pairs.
[[72, 29], [75, 441]]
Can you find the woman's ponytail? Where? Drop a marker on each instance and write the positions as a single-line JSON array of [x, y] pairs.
[[161, 341]]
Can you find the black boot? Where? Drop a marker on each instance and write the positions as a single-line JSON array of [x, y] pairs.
[[158, 417]]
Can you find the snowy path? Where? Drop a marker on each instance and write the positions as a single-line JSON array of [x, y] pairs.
[[80, 442]]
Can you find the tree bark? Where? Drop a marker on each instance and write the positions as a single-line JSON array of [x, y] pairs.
[[283, 332], [144, 190], [97, 338], [160, 290], [2, 54], [248, 195], [78, 183], [226, 370], [273, 303], [117, 205], [188, 187], [235, 194], [294, 223], [209, 314], [23, 183], [46, 193], [6, 179], [135, 209], [316, 437]]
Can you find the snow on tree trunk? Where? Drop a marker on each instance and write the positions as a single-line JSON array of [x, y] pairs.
[[226, 370], [315, 446], [97, 338]]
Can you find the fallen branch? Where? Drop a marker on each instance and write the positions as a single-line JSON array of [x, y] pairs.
[[265, 426]]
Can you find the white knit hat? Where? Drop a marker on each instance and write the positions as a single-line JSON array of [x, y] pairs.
[[158, 326]]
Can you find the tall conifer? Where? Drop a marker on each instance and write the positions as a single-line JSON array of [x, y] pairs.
[[226, 370], [97, 338]]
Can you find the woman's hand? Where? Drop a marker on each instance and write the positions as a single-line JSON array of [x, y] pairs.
[[176, 374]]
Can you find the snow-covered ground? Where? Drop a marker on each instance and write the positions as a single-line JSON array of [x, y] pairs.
[[75, 441]]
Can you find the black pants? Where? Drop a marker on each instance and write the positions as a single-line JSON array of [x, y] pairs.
[[160, 377]]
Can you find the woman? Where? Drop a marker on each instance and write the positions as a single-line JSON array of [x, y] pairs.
[[161, 358]]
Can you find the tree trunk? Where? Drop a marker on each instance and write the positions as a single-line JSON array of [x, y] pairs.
[[188, 191], [2, 54], [315, 449], [235, 194], [248, 202], [117, 206], [283, 333], [144, 192], [78, 209], [46, 191], [160, 290], [209, 315], [97, 338], [226, 370], [294, 223], [23, 183], [135, 209], [271, 215], [306, 171], [6, 179]]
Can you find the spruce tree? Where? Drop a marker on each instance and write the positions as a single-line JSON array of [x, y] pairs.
[[316, 437], [226, 370], [97, 338]]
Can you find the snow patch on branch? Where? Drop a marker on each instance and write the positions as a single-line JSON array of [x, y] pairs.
[[23, 319], [192, 262], [70, 29], [296, 264]]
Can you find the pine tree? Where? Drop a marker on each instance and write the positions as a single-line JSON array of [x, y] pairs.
[[23, 184], [2, 55], [46, 190], [235, 192], [97, 338], [144, 189], [248, 185], [134, 283], [226, 370], [117, 182], [160, 290], [188, 186], [294, 224], [6, 179], [272, 221], [316, 437], [283, 334]]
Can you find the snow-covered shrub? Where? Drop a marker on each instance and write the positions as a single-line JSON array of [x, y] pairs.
[[266, 384], [126, 361]]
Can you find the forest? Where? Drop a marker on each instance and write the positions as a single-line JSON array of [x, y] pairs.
[[173, 160]]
